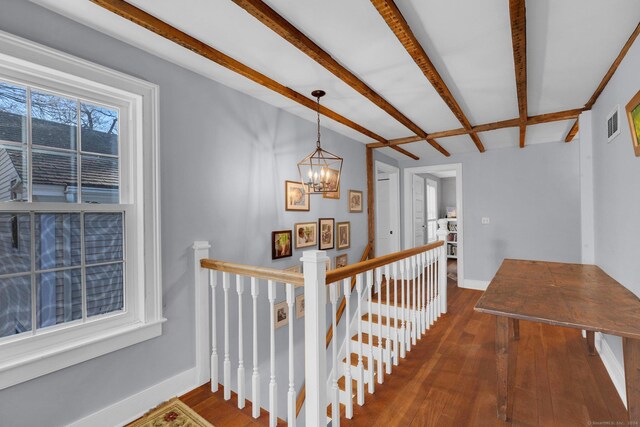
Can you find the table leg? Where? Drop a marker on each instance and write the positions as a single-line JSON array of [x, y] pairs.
[[516, 329], [631, 348], [591, 343], [505, 376]]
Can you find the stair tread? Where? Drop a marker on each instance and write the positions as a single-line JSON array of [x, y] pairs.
[[375, 320], [366, 339]]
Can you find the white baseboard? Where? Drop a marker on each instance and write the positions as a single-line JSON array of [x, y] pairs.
[[132, 407], [479, 285], [614, 368]]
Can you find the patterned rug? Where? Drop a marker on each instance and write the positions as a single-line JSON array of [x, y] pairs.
[[173, 413]]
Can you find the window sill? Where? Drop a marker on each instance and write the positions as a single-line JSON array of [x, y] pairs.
[[60, 356]]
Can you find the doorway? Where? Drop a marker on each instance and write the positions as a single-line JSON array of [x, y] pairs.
[[433, 193], [387, 208]]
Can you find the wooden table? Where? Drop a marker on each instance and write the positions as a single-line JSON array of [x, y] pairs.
[[571, 295]]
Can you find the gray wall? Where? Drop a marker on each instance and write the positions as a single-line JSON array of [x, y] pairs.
[[532, 198], [448, 195], [616, 195], [224, 159]]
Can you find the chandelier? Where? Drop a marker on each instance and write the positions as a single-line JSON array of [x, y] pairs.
[[320, 171]]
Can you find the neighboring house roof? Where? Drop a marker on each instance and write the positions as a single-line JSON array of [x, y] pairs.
[[52, 169]]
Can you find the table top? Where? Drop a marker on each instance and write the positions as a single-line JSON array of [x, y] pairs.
[[572, 295]]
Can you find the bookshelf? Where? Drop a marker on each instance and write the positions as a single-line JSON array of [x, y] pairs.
[[452, 238]]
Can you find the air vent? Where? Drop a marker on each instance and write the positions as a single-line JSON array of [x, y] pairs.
[[613, 124]]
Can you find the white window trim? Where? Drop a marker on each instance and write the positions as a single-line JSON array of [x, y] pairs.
[[26, 357]]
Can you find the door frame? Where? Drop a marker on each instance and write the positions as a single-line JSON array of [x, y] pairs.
[[413, 206], [394, 200], [408, 208]]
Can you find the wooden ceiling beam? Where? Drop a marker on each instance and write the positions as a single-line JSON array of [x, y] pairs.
[[605, 80], [270, 18], [533, 120], [155, 25], [396, 22], [573, 131], [518, 15]]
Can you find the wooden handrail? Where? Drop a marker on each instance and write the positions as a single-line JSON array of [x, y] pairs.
[[343, 305], [361, 267], [296, 279]]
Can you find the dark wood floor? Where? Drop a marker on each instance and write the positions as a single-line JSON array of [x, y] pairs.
[[448, 379]]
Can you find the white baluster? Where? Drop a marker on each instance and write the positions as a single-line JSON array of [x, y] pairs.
[[418, 298], [396, 341], [407, 306], [428, 278], [378, 284], [403, 328], [273, 386], [443, 282], [241, 384], [360, 368], [334, 290], [227, 360], [421, 293], [433, 286], [213, 282], [255, 377], [388, 342], [414, 323], [347, 375], [423, 266], [291, 394], [372, 361]]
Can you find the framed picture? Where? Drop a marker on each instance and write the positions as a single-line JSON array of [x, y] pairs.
[[355, 201], [341, 261], [306, 234], [326, 227], [332, 181], [280, 244], [294, 269], [633, 114], [281, 313], [344, 235], [296, 197], [300, 306]]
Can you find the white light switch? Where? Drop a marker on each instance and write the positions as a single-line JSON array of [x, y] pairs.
[[485, 220]]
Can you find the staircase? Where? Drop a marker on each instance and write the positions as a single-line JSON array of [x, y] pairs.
[[382, 336], [389, 303]]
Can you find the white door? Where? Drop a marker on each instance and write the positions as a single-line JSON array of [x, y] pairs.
[[432, 210], [383, 220], [418, 211]]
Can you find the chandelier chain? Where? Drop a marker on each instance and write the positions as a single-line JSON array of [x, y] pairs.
[[318, 113]]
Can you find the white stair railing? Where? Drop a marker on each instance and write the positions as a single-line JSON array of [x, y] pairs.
[[405, 290]]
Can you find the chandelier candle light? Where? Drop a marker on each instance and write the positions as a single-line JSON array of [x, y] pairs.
[[320, 171]]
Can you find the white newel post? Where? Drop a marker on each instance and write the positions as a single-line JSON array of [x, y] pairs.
[[442, 233], [204, 352], [315, 330]]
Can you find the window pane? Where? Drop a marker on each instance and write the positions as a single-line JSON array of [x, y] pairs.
[[15, 243], [59, 297], [103, 237], [99, 129], [57, 240], [55, 176], [100, 180], [54, 121], [15, 305], [13, 113], [105, 290], [13, 174]]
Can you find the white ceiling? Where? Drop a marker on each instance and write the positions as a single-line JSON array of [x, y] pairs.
[[570, 46]]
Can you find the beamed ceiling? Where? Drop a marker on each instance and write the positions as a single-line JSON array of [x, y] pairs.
[[437, 77]]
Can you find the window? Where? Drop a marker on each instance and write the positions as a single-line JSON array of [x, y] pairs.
[[78, 224], [432, 210]]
